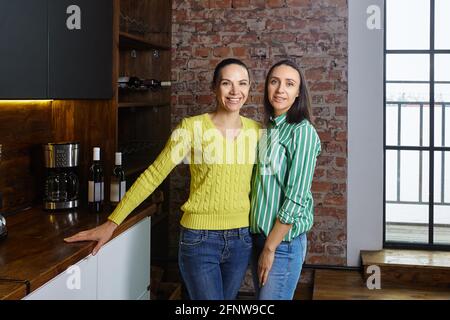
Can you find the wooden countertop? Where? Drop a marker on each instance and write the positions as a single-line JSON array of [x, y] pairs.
[[11, 290], [34, 251]]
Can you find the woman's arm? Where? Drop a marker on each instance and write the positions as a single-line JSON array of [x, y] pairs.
[[267, 256], [306, 147], [101, 234], [173, 153]]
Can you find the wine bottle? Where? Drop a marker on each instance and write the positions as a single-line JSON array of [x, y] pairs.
[[154, 84], [130, 83], [96, 184], [118, 183], [135, 83], [122, 82]]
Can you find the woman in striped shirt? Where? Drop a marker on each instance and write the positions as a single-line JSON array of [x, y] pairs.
[[281, 199]]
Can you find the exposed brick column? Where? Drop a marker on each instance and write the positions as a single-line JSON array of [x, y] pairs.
[[314, 33]]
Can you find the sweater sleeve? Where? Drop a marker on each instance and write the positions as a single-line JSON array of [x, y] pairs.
[[176, 149], [306, 145]]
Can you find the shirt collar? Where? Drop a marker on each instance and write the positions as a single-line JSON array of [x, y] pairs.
[[278, 121]]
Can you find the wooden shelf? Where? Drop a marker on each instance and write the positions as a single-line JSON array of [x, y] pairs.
[[141, 105], [156, 219], [135, 166], [131, 41]]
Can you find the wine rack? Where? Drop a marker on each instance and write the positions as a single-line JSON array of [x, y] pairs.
[[143, 115]]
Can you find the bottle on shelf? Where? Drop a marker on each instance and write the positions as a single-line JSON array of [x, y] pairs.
[[130, 83], [96, 184], [118, 183], [154, 84], [142, 84]]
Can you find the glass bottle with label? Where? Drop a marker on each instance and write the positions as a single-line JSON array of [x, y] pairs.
[[96, 184], [118, 183], [154, 84]]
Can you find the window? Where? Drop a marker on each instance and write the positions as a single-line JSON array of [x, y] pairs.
[[417, 124]]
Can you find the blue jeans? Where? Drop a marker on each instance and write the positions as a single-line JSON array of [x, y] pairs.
[[213, 262], [286, 268]]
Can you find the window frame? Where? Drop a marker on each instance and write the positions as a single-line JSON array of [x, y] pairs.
[[431, 148]]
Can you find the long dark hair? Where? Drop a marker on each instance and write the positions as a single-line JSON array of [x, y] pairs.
[[301, 108], [222, 64]]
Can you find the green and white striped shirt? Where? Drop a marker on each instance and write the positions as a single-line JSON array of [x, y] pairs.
[[282, 177]]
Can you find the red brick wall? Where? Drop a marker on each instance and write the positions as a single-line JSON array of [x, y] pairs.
[[312, 32]]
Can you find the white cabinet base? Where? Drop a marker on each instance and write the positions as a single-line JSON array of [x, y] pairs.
[[120, 270]]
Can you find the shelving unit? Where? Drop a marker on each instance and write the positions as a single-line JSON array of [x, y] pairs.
[[143, 116], [140, 104], [133, 42], [143, 51]]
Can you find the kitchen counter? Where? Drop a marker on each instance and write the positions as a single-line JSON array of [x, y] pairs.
[[34, 251], [10, 290]]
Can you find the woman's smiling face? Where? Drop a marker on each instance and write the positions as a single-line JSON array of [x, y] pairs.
[[233, 88]]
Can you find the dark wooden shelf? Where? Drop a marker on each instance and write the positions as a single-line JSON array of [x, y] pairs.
[[141, 105], [131, 41], [135, 165], [156, 219]]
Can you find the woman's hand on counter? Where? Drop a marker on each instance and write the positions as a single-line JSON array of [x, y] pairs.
[[101, 234]]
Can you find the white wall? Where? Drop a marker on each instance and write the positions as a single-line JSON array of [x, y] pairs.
[[365, 132]]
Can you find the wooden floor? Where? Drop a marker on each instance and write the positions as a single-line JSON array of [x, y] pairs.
[[350, 285], [404, 275]]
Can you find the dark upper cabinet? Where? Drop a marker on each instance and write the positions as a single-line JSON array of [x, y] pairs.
[[56, 49], [23, 49], [80, 49]]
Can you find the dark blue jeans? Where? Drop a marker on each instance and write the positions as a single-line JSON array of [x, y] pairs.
[[286, 268], [213, 262]]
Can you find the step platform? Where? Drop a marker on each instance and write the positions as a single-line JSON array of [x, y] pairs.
[[410, 267], [351, 285]]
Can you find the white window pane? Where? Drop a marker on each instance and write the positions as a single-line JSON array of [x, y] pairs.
[[408, 67], [392, 125], [426, 126], [406, 223], [408, 24], [425, 176], [409, 176], [447, 181], [442, 125], [442, 64], [442, 211], [407, 213], [442, 24], [447, 126], [391, 175], [442, 93], [438, 125], [410, 125], [419, 92], [442, 224], [437, 176]]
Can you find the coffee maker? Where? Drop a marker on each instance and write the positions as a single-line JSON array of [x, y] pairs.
[[3, 230], [61, 180]]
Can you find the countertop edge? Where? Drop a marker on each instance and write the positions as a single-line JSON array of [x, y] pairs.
[[83, 252]]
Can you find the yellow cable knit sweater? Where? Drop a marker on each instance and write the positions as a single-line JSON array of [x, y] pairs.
[[221, 170]]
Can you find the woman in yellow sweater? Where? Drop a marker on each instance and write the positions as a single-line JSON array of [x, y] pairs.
[[215, 243]]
